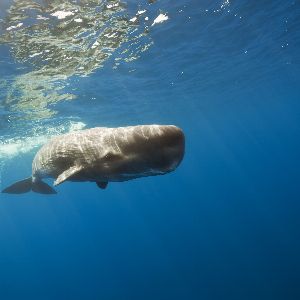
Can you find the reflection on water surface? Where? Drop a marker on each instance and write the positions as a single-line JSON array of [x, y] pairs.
[[56, 40]]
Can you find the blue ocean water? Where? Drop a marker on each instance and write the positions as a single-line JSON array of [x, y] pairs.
[[225, 224]]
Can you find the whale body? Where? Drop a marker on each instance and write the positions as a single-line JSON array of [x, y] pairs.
[[104, 155]]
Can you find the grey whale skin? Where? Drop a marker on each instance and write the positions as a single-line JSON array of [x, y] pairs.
[[103, 155]]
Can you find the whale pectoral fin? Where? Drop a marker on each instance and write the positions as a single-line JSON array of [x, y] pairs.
[[67, 174], [102, 184]]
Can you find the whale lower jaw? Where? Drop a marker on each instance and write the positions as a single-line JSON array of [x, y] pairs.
[[125, 177], [120, 177]]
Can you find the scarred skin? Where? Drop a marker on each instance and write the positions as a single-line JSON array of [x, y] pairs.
[[110, 154]]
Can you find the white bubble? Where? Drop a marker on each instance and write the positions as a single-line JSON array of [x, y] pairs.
[[160, 19], [61, 14]]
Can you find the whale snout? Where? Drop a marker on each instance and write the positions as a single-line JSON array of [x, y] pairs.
[[172, 135], [169, 148]]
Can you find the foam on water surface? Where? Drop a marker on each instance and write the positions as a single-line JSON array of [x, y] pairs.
[[14, 146]]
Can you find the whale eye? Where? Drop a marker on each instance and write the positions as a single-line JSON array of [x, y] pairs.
[[110, 156]]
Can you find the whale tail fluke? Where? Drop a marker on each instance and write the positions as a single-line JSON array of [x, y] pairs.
[[20, 187], [27, 185], [42, 188]]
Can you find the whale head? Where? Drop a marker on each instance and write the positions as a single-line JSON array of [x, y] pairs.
[[154, 150], [168, 148]]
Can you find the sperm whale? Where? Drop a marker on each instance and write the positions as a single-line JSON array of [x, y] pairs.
[[103, 155]]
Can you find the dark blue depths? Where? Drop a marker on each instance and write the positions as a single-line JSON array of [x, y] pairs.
[[226, 224]]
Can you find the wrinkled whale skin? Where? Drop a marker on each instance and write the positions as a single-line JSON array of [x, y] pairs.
[[112, 154]]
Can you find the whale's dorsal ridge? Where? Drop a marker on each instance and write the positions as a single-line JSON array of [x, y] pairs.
[[65, 175]]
